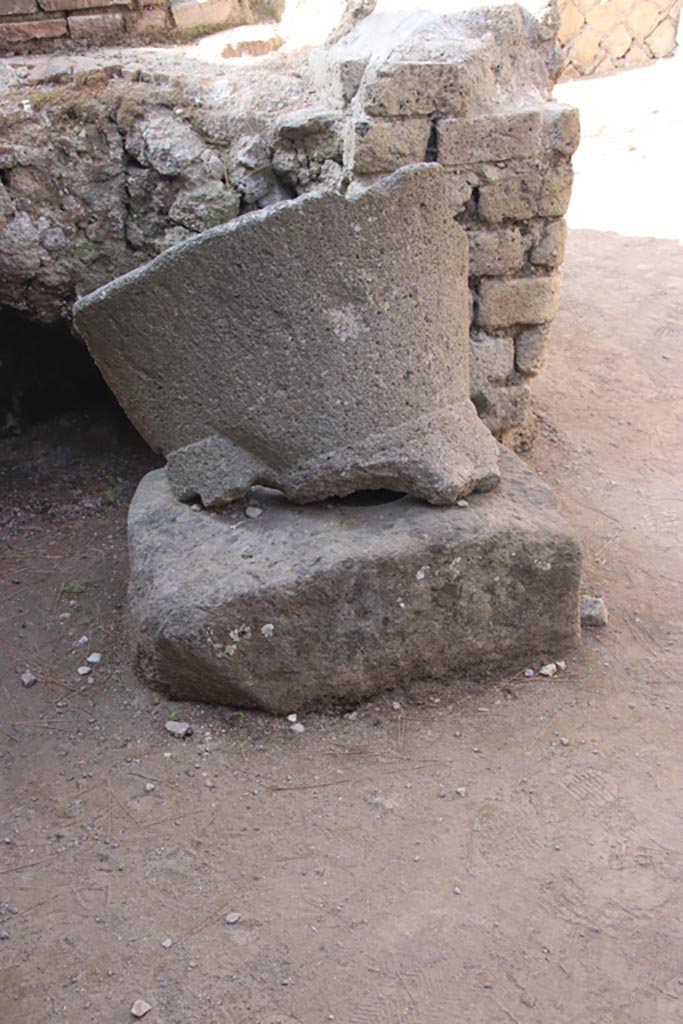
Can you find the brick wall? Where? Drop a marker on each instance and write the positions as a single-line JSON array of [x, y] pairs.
[[28, 26], [599, 37]]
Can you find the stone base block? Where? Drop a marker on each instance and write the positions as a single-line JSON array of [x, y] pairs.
[[329, 603]]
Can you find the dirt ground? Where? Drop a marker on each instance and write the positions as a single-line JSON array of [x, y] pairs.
[[370, 891]]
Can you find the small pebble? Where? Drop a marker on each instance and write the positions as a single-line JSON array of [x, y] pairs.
[[292, 718], [232, 918], [84, 670], [167, 943], [28, 679], [594, 612], [297, 727], [149, 787], [82, 640], [461, 503], [461, 791], [140, 1008], [253, 512], [548, 670], [179, 729], [562, 665], [4, 936], [564, 741], [94, 659], [457, 890], [396, 705], [528, 673]]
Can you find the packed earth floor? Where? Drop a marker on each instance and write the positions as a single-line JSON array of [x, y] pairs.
[[508, 854]]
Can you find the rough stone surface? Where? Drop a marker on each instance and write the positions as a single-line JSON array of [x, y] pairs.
[[192, 13], [96, 28], [523, 300], [24, 31], [602, 37], [594, 612], [501, 136], [138, 149], [328, 604], [322, 373]]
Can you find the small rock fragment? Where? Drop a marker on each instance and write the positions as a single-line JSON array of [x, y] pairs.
[[562, 665], [461, 790], [457, 890], [82, 640], [84, 670], [593, 612], [461, 503], [548, 670], [140, 1008], [564, 741], [179, 729], [28, 679], [297, 727], [149, 787], [253, 512], [528, 673], [232, 918], [167, 943], [292, 718], [94, 659], [4, 936]]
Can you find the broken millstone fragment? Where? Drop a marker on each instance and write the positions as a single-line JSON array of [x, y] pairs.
[[334, 357], [179, 729], [593, 612]]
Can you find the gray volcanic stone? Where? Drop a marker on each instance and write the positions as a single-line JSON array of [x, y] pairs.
[[319, 346], [327, 603]]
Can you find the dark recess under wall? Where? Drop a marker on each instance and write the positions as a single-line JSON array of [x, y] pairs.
[[44, 370]]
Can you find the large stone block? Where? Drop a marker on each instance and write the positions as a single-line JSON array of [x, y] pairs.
[[550, 248], [81, 5], [319, 346], [561, 128], [527, 192], [381, 145], [494, 253], [198, 13], [18, 7], [27, 31], [329, 604], [523, 300], [96, 29], [489, 137], [419, 88]]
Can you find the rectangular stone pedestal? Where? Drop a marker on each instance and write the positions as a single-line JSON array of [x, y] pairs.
[[329, 603]]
